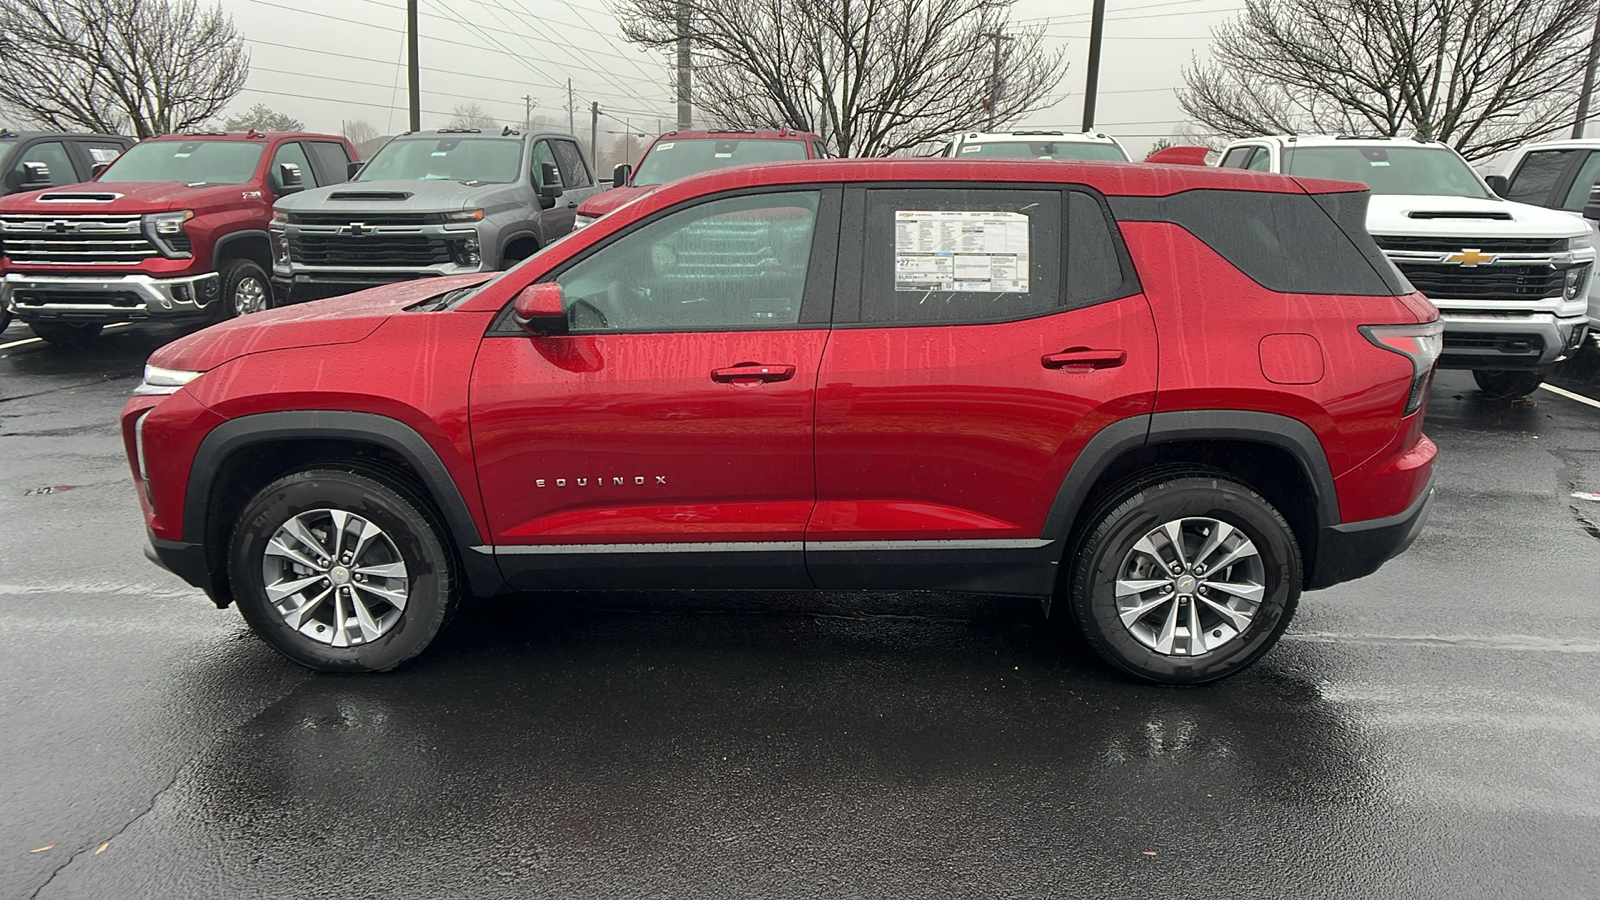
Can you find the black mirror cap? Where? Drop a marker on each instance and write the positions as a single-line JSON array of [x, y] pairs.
[[1498, 184], [1591, 207], [35, 174], [550, 179], [351, 169], [289, 179], [621, 174]]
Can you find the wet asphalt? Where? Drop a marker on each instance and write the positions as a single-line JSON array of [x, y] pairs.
[[1430, 731]]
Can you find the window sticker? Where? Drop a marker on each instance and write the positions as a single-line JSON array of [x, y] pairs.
[[972, 148], [103, 154], [667, 146], [961, 250]]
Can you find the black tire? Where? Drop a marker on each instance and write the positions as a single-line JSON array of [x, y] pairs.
[[67, 334], [1132, 513], [413, 533], [245, 289], [5, 318], [1508, 384]]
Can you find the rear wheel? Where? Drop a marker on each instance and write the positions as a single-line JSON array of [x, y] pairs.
[[67, 333], [1185, 579], [341, 571], [1508, 384]]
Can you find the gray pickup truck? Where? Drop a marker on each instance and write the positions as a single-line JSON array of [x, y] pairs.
[[430, 203]]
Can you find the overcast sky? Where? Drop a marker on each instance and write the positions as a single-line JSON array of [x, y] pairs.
[[325, 61]]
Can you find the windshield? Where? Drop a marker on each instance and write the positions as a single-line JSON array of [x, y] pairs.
[[1043, 150], [1389, 170], [671, 160], [191, 162], [481, 160]]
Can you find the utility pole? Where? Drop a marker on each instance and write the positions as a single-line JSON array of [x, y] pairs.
[[527, 112], [571, 128], [1588, 82], [412, 79], [995, 88], [685, 112], [1097, 27], [627, 141], [594, 131]]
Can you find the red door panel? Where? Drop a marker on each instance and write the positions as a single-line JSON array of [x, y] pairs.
[[967, 431]]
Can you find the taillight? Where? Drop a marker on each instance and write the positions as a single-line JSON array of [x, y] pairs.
[[1419, 343]]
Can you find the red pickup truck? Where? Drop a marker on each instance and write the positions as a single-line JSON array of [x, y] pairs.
[[176, 228]]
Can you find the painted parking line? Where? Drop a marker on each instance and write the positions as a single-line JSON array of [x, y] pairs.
[[1587, 401], [35, 340]]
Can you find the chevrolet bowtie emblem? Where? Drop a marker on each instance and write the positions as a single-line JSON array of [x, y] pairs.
[[1471, 258]]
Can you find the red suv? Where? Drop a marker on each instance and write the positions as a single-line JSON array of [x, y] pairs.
[[1168, 398]]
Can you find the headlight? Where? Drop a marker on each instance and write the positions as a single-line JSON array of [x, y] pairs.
[[158, 380], [1583, 242], [466, 253], [465, 215], [1577, 283], [165, 230], [583, 221], [168, 223], [279, 217]]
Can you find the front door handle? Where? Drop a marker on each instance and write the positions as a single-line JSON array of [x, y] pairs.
[[573, 204], [1084, 358], [752, 373]]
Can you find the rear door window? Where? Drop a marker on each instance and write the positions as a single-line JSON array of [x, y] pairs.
[[1237, 158], [1583, 182], [99, 153], [574, 174], [1537, 175]]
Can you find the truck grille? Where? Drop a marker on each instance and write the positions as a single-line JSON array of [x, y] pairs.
[[1453, 282], [74, 240], [399, 250], [1487, 245]]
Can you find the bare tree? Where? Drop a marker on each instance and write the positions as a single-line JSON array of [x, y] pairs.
[[471, 115], [1480, 75], [262, 117], [359, 131], [146, 66], [873, 77]]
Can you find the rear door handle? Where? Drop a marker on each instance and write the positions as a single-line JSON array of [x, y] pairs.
[[1084, 358], [752, 373]]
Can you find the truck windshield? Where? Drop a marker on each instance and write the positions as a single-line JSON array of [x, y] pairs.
[[481, 160], [191, 162], [673, 159], [1043, 150], [1436, 171]]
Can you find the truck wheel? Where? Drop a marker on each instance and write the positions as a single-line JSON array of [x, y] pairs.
[[1508, 384], [67, 334], [245, 288], [341, 571], [5, 318], [1185, 579]]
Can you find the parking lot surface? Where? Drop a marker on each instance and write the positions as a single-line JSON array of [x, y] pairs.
[[1430, 731]]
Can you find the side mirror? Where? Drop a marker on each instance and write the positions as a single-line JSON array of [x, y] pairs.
[[97, 168], [621, 174], [289, 179], [351, 170], [550, 181], [35, 175], [1498, 184], [538, 311], [1591, 207]]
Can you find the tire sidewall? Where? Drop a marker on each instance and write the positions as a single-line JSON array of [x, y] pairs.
[[1094, 585], [427, 564], [235, 271]]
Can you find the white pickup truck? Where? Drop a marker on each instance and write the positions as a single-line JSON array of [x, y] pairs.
[[1511, 280], [1559, 175]]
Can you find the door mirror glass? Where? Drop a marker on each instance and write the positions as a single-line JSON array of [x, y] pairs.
[[621, 174], [35, 174], [289, 178], [537, 310], [1498, 184]]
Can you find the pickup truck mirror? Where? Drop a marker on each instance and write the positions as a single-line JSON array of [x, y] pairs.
[[538, 310], [1498, 184], [35, 175], [549, 184], [351, 170], [97, 168], [289, 179], [1591, 207], [621, 174]]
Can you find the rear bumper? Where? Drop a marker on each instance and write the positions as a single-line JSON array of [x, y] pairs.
[[1356, 549], [108, 298], [1527, 341]]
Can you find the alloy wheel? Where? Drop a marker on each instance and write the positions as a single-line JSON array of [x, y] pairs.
[[249, 296], [1190, 586], [335, 577]]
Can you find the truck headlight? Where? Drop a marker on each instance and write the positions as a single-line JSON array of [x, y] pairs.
[[466, 252], [165, 230], [465, 215], [280, 246], [1577, 283], [160, 380], [1582, 242]]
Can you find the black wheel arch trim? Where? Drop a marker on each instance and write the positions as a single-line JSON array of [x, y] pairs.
[[1125, 435], [382, 431], [234, 237], [507, 240]]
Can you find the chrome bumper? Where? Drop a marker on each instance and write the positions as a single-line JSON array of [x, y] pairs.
[[103, 298], [1508, 341]]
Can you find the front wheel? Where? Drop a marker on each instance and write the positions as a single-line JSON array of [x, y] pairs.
[[245, 288], [341, 571], [1508, 384], [1185, 579]]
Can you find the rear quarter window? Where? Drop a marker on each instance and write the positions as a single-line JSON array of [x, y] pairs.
[[1289, 243]]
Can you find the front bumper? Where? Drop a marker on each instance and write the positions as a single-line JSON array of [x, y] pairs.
[[107, 298], [187, 561], [1474, 340], [1357, 549]]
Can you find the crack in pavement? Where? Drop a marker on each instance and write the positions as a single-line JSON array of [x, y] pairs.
[[177, 774], [106, 380]]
